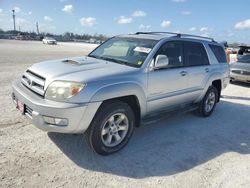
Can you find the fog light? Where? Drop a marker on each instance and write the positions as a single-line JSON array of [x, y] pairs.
[[62, 122], [55, 121]]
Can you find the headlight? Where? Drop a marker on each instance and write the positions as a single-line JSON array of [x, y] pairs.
[[63, 90]]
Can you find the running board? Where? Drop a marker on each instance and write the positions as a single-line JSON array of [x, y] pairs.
[[157, 116]]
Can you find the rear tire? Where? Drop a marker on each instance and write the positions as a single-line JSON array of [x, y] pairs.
[[208, 103], [111, 127]]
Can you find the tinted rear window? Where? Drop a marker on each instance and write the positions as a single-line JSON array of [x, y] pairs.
[[195, 54], [219, 53]]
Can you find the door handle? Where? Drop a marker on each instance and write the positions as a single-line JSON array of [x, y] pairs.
[[207, 69], [183, 73]]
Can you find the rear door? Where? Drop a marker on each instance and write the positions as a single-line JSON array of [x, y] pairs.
[[197, 65]]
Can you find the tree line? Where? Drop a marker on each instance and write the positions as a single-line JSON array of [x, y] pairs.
[[67, 36]]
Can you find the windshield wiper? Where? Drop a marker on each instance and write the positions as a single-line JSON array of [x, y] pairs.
[[94, 56], [113, 60], [105, 58], [108, 59]]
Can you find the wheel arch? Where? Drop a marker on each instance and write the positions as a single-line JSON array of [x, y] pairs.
[[218, 84], [130, 93]]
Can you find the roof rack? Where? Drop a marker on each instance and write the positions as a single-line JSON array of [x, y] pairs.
[[177, 34]]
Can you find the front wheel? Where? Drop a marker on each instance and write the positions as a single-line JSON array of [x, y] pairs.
[[111, 128], [209, 101]]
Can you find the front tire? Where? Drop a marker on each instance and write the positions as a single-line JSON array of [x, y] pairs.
[[208, 103], [111, 127]]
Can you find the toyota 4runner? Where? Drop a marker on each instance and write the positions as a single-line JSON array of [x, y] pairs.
[[123, 82]]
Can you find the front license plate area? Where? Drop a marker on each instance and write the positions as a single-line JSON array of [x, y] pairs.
[[20, 106]]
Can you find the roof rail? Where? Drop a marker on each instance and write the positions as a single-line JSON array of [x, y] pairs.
[[177, 34], [157, 33]]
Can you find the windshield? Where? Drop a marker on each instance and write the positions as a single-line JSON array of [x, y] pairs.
[[244, 59], [128, 51]]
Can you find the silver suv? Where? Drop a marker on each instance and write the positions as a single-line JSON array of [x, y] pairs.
[[124, 82]]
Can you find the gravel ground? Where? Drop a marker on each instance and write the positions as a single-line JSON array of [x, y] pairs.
[[180, 151]]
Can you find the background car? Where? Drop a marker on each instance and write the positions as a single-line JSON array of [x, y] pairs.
[[240, 70], [49, 40]]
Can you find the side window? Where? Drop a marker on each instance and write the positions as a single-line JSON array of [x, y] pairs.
[[195, 54], [219, 53], [173, 50]]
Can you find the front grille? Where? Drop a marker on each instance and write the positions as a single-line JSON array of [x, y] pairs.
[[241, 72], [28, 111], [34, 82]]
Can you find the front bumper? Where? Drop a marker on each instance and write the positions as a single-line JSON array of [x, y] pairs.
[[79, 116], [239, 77], [51, 42]]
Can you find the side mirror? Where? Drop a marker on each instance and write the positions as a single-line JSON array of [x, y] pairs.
[[161, 61]]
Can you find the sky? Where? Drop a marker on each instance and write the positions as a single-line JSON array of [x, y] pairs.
[[221, 19]]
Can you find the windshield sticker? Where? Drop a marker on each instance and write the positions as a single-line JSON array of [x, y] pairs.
[[142, 49]]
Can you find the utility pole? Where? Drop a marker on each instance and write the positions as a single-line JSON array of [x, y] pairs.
[[37, 28], [14, 19]]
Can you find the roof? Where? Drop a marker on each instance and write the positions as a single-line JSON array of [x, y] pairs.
[[144, 36], [161, 35]]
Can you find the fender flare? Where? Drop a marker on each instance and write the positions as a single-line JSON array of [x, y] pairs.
[[122, 90], [211, 78]]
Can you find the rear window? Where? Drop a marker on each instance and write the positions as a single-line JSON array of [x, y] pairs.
[[219, 53]]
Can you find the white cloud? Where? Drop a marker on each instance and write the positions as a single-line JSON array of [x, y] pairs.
[[192, 29], [139, 13], [144, 27], [88, 22], [203, 29], [29, 13], [68, 8], [179, 1], [124, 20], [17, 9], [1, 13], [187, 13], [47, 19], [245, 24], [166, 23]]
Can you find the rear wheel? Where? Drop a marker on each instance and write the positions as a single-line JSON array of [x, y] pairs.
[[111, 128], [209, 101]]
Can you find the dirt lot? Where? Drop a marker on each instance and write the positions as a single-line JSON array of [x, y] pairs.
[[181, 151]]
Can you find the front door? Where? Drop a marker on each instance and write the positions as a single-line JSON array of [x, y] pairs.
[[167, 86]]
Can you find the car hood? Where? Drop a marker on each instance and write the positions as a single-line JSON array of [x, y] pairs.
[[240, 66], [79, 69]]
